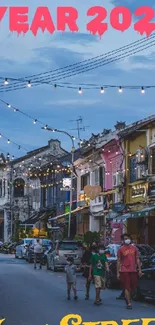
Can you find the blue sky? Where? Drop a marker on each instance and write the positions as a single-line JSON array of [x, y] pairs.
[[26, 55]]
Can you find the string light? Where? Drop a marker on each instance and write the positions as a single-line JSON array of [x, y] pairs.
[[120, 89], [8, 141], [80, 91], [35, 121], [142, 90], [8, 105], [6, 82], [102, 90], [29, 84]]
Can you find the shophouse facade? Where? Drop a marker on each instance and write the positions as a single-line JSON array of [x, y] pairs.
[[29, 193], [139, 175]]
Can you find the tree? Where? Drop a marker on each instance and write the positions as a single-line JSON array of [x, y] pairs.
[[90, 237]]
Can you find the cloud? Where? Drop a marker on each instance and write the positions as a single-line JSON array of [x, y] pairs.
[[71, 102], [133, 4]]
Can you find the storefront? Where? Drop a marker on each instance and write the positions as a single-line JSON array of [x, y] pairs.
[[141, 225]]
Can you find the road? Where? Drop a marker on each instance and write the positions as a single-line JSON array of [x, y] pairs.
[[38, 297]]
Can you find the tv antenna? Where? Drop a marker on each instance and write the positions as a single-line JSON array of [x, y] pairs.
[[79, 127]]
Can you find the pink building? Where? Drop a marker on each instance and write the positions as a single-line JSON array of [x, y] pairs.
[[112, 155]]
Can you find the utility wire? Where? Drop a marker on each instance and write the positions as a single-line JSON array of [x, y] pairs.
[[91, 65]]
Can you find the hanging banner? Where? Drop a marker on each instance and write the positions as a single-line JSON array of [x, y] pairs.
[[92, 192]]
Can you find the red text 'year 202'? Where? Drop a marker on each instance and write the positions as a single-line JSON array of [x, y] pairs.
[[97, 19]]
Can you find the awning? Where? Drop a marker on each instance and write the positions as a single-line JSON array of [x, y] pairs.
[[122, 218], [143, 213], [65, 214]]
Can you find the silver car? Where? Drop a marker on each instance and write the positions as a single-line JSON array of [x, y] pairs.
[[22, 247], [57, 257]]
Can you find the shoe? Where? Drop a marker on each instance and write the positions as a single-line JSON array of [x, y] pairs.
[[34, 267], [69, 298], [40, 267], [87, 297], [129, 307], [75, 298], [97, 303]]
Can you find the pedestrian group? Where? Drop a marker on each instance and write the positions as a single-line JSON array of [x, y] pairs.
[[95, 268]]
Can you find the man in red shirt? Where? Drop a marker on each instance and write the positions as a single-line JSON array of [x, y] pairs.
[[127, 262]]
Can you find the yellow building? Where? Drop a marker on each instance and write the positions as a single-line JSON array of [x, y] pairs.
[[135, 143]]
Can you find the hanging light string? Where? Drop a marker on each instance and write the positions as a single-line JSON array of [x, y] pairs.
[[35, 120], [86, 65], [10, 141], [100, 88]]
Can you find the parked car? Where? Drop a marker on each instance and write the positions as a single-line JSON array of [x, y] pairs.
[[29, 255], [57, 256], [146, 285], [111, 253], [21, 247]]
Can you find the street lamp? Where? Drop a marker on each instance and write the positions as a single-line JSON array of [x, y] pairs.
[[72, 160]]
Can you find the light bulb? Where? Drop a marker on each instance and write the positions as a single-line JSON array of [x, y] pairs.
[[35, 121], [8, 141], [142, 90], [0, 135], [102, 90], [8, 105], [15, 110], [29, 84], [53, 130], [80, 90], [120, 90], [45, 127], [6, 82]]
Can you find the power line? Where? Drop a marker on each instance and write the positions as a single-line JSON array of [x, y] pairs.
[[91, 65]]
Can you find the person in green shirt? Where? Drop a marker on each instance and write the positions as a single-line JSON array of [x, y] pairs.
[[98, 267]]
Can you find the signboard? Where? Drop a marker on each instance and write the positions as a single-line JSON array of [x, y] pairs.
[[92, 191], [66, 183], [118, 207], [138, 190]]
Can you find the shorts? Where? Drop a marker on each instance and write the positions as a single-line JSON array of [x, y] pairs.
[[71, 285], [129, 281], [99, 282]]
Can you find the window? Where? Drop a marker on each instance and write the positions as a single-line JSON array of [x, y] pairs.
[[84, 181], [153, 160], [132, 167], [4, 187], [101, 177], [98, 177], [19, 185], [0, 188]]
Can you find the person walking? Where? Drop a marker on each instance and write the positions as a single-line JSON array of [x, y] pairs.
[[70, 270], [122, 295], [127, 263], [85, 261], [99, 265], [38, 250]]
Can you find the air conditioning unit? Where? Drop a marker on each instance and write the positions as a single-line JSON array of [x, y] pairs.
[[118, 179], [141, 172], [140, 156]]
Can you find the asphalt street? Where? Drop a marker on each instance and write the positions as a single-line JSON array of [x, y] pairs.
[[38, 297]]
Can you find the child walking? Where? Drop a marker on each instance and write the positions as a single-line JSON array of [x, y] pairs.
[[70, 270]]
